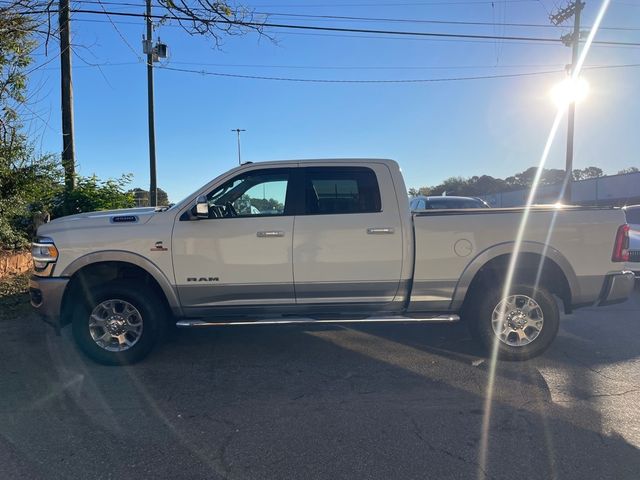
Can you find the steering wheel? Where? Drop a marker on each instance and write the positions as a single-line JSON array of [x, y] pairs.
[[231, 210]]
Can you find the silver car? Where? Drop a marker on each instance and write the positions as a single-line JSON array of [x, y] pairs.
[[633, 219]]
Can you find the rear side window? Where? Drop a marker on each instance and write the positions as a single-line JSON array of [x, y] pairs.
[[339, 190]]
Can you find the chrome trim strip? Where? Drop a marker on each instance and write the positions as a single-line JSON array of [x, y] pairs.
[[305, 320], [270, 234]]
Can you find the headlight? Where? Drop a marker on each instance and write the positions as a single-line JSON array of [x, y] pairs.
[[44, 252]]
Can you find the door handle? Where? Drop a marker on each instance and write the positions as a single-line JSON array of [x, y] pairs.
[[379, 230], [270, 234]]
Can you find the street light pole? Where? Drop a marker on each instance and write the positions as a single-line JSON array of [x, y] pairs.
[[238, 130]]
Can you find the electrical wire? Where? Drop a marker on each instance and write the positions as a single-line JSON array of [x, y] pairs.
[[366, 19], [341, 29], [382, 81]]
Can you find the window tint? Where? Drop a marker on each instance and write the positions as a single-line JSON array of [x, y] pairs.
[[335, 190], [256, 193], [633, 215], [444, 202]]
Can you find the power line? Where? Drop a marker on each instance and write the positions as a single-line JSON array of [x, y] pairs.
[[343, 29], [382, 81], [370, 19]]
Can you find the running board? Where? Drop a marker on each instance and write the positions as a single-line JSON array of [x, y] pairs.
[[307, 320]]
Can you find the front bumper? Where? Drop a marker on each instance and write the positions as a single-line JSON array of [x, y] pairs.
[[617, 288], [46, 297]]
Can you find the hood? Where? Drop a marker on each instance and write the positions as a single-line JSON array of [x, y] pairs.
[[115, 218]]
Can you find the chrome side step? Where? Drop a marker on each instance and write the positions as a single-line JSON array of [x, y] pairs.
[[306, 320]]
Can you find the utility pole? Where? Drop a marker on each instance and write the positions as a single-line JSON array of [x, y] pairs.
[[153, 186], [66, 95], [573, 40], [238, 130]]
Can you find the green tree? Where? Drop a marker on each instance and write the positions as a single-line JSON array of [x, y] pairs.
[[91, 194], [27, 181], [628, 170], [141, 197], [589, 172]]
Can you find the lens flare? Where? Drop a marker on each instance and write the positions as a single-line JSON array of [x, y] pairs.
[[488, 402], [569, 91]]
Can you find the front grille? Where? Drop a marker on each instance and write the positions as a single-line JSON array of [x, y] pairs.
[[634, 255]]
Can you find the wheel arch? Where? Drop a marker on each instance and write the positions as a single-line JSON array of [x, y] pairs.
[[555, 270], [120, 261]]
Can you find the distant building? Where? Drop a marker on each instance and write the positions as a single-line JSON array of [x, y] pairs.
[[612, 190]]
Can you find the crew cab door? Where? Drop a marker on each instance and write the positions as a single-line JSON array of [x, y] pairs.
[[242, 254], [347, 245]]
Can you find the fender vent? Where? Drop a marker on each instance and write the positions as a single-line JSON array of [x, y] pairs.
[[124, 219]]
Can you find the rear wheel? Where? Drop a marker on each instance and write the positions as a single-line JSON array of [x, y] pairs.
[[119, 323], [521, 325]]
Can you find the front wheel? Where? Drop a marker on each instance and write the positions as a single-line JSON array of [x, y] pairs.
[[520, 325], [119, 323]]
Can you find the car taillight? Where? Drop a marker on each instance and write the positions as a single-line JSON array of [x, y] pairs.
[[621, 245]]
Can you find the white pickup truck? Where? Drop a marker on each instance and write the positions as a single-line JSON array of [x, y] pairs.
[[323, 241]]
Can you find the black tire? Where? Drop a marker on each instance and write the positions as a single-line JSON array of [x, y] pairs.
[[479, 314], [144, 299]]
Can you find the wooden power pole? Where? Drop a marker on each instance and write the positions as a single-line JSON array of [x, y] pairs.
[[573, 40], [153, 185], [68, 149]]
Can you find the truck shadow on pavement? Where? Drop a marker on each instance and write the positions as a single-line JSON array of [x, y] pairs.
[[323, 402]]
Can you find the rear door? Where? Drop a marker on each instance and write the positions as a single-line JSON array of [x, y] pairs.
[[347, 245]]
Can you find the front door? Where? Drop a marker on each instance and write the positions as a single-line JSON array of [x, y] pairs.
[[242, 254]]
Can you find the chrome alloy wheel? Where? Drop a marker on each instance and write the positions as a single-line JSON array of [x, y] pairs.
[[115, 325], [517, 320]]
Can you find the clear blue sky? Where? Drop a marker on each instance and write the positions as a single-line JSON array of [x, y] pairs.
[[435, 130]]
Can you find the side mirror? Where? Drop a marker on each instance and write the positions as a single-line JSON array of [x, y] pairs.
[[202, 207]]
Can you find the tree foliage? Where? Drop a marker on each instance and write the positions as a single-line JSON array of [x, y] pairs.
[[91, 194], [32, 185], [214, 19], [486, 184], [141, 197]]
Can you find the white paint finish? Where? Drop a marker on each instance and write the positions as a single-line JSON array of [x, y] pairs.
[[334, 248], [338, 249], [92, 234], [230, 249], [584, 237]]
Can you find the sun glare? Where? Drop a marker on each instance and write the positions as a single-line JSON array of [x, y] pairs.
[[570, 90]]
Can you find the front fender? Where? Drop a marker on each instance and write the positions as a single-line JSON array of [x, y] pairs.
[[135, 259]]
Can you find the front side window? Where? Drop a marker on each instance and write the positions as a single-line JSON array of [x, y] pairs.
[[339, 190], [251, 194]]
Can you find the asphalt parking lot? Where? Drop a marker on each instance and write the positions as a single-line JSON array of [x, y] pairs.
[[330, 402]]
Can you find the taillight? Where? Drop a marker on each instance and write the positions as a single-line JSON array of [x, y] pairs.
[[621, 245]]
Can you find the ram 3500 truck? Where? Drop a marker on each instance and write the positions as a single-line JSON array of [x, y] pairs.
[[323, 241]]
